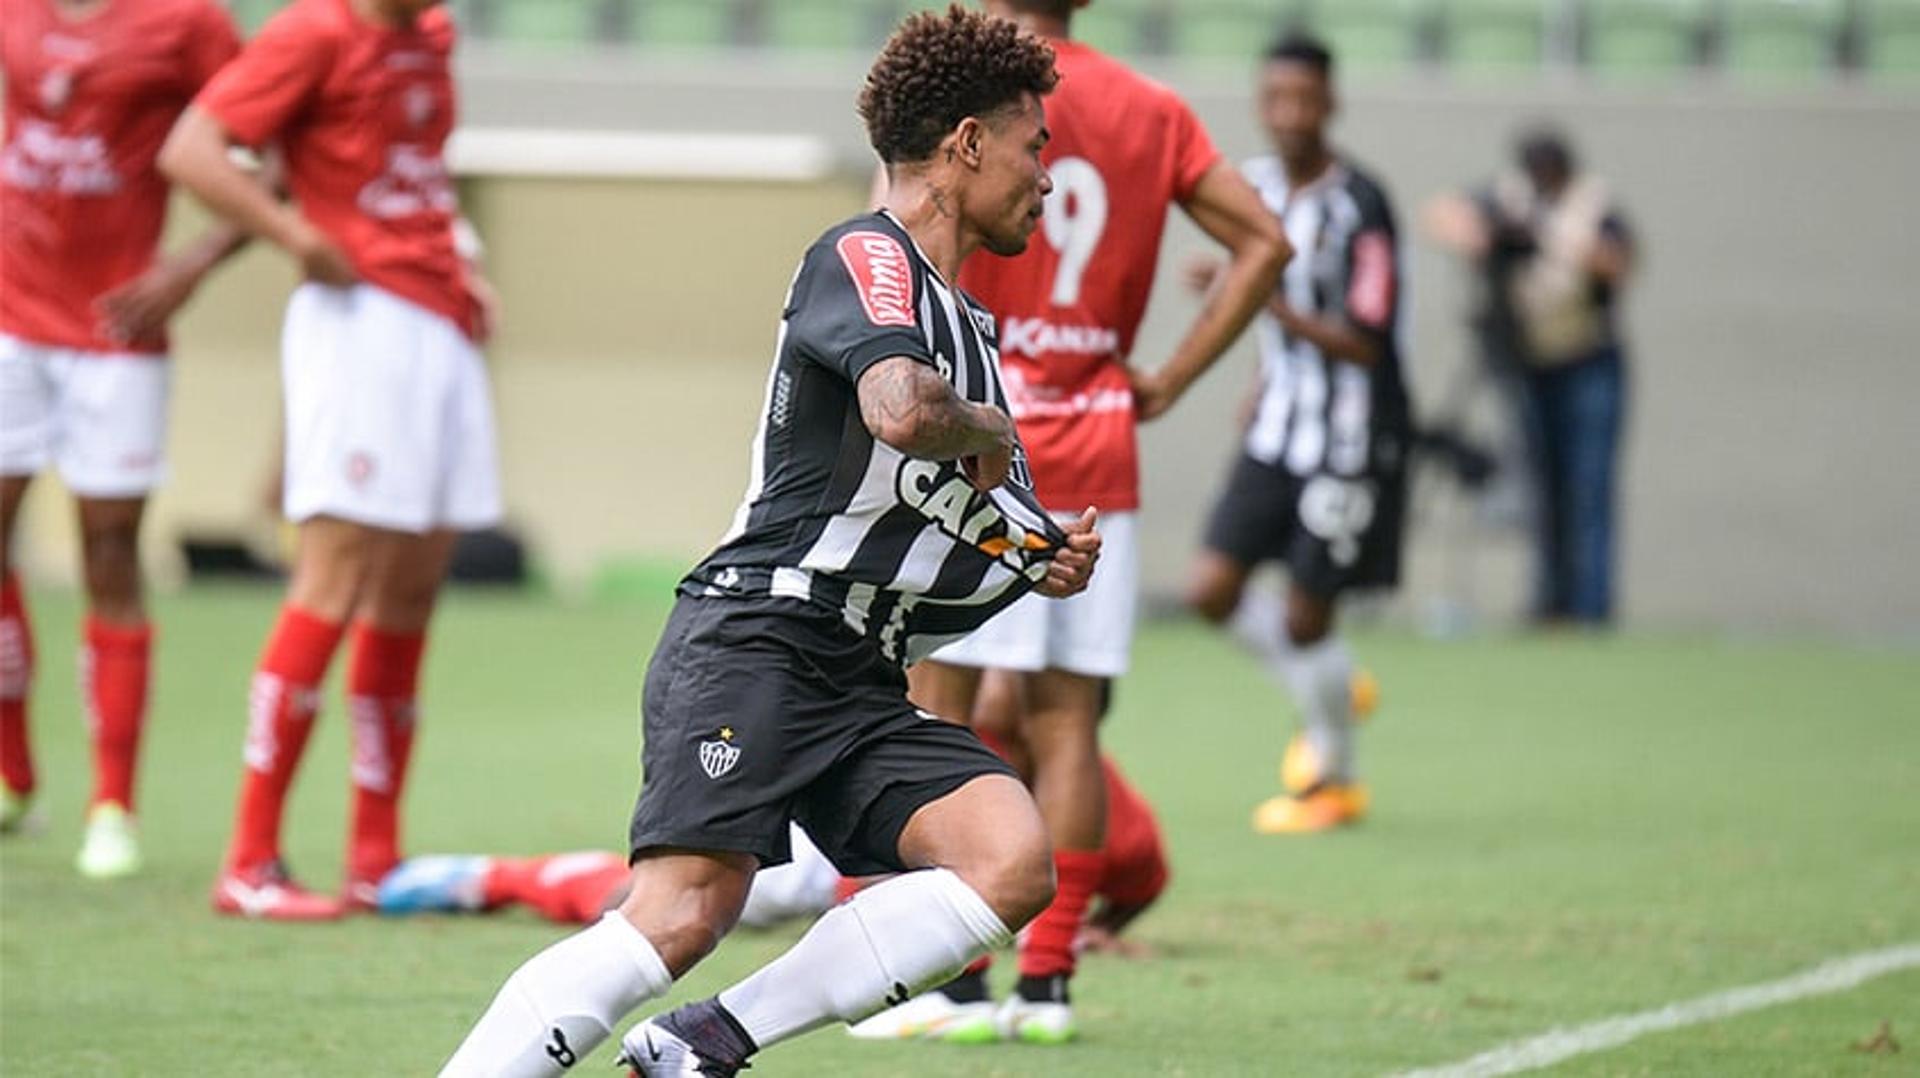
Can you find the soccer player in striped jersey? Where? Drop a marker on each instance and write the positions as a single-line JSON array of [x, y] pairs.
[[1319, 483], [888, 512]]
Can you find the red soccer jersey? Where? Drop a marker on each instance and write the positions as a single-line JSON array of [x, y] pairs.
[[88, 103], [1124, 149], [362, 112]]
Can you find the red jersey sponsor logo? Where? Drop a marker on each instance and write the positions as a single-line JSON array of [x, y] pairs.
[[43, 159], [881, 275], [415, 181], [1036, 337]]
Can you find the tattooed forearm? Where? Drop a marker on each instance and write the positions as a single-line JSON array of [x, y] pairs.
[[905, 404]]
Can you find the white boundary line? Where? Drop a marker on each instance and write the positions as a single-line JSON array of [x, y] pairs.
[[1555, 1045]]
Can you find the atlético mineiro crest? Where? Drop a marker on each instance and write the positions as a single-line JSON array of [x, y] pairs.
[[718, 757]]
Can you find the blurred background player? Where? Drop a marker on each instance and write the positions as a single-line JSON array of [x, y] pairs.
[[92, 88], [389, 423], [1554, 253], [1318, 485], [1124, 150]]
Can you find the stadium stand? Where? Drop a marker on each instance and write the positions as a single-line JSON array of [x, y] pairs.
[[1640, 39], [1781, 40], [1890, 41], [1493, 37], [1752, 41]]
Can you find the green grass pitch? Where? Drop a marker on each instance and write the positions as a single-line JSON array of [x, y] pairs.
[[1564, 829]]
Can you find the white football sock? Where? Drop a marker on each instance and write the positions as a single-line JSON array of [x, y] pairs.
[[561, 1003], [803, 887], [1318, 676], [1321, 678], [878, 948], [1260, 624]]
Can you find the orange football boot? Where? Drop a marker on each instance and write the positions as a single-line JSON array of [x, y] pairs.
[[1324, 808]]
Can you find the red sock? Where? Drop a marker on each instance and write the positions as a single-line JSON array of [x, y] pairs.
[[114, 669], [16, 677], [281, 709], [1047, 949], [381, 678], [1136, 860], [572, 888], [848, 886]]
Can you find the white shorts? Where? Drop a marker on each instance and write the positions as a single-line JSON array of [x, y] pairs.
[[389, 418], [100, 417], [1090, 633]]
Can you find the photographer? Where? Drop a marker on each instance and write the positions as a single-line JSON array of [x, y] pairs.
[[1552, 254]]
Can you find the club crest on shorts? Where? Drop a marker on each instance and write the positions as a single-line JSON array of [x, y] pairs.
[[718, 757]]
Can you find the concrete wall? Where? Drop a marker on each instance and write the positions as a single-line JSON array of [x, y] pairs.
[[1774, 336]]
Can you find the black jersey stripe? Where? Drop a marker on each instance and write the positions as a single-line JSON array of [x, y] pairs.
[[840, 520]]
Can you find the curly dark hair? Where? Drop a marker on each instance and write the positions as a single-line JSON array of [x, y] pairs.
[[938, 69]]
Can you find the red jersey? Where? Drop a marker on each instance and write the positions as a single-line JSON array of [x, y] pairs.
[[362, 112], [1124, 149], [88, 103]]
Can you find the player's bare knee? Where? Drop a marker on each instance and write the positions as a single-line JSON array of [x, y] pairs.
[[1211, 601], [112, 569], [1015, 879], [1309, 619], [1028, 886], [685, 905], [681, 932]]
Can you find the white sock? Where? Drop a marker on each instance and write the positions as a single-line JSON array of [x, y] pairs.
[[803, 887], [1320, 677], [561, 1003], [1260, 623], [889, 941]]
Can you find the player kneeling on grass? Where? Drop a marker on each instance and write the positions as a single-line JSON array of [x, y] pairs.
[[575, 888], [889, 512]]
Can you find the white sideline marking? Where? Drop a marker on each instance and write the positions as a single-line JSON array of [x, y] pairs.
[[1555, 1045]]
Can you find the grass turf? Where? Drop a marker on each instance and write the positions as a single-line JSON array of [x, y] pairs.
[[1564, 829]]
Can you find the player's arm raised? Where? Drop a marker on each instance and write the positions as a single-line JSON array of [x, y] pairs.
[[196, 157], [1226, 208], [907, 405]]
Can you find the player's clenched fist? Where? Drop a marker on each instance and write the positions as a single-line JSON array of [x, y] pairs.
[[1072, 567]]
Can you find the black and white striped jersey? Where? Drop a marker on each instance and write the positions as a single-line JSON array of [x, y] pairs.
[[906, 551], [1318, 415]]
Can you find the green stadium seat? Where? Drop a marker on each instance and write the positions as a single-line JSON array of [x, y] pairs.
[[546, 22], [1371, 35], [1115, 26], [1499, 37], [678, 24], [1890, 41], [1643, 38], [250, 14], [1230, 31], [1780, 40], [825, 25]]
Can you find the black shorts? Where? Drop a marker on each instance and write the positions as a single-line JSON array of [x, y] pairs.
[[762, 711], [1333, 533]]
